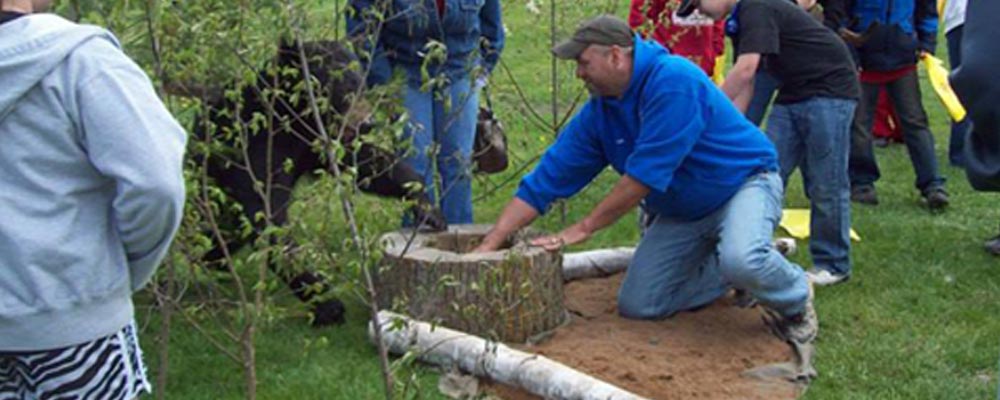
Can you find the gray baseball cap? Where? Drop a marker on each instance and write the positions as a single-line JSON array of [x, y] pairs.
[[604, 30]]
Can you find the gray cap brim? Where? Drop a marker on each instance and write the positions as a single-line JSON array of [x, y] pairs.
[[569, 49]]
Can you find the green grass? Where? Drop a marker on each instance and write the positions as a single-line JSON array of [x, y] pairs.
[[917, 320]]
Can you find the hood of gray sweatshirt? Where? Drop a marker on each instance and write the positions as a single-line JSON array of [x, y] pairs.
[[92, 189]]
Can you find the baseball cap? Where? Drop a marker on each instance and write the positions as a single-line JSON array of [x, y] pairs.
[[603, 30]]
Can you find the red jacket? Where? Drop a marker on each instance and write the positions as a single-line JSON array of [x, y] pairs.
[[698, 39]]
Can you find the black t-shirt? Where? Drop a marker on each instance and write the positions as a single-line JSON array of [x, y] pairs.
[[806, 56], [7, 16]]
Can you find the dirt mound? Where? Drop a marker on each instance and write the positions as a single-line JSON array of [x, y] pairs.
[[694, 355]]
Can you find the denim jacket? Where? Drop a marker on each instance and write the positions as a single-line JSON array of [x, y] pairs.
[[471, 31]]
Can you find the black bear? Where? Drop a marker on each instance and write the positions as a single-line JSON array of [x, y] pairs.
[[292, 136]]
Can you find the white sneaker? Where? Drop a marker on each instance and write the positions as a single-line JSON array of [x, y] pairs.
[[822, 277], [785, 246]]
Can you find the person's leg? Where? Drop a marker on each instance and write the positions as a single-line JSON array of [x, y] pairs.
[[905, 94], [826, 127], [787, 141], [862, 167], [674, 269], [959, 130], [455, 132], [110, 367], [764, 86], [418, 138], [746, 258]]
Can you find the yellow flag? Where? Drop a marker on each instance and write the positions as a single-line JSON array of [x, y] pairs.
[[940, 7], [719, 74], [795, 221], [938, 75]]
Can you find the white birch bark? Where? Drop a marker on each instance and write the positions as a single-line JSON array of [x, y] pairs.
[[477, 356], [596, 263]]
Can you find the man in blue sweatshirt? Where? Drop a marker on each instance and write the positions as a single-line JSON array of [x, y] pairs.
[[708, 177], [92, 196]]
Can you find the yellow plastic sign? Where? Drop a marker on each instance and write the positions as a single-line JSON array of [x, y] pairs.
[[719, 74], [795, 221], [938, 75]]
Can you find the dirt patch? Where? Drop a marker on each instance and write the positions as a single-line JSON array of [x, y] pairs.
[[692, 355]]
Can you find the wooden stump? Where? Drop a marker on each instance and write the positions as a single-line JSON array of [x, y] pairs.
[[508, 295]]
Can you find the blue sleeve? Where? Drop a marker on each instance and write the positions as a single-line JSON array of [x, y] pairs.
[[925, 21], [672, 122], [491, 24], [569, 165], [362, 25]]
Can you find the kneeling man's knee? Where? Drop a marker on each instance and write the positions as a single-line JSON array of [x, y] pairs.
[[640, 307], [743, 267]]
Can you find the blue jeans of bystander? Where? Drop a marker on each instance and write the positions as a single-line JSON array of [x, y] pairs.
[[814, 136], [441, 131]]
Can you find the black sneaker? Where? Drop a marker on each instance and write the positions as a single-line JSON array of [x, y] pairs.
[[864, 195], [936, 198], [993, 245]]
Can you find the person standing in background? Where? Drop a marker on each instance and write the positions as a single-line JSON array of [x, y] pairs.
[[811, 120], [443, 111], [694, 37], [93, 194], [888, 36], [954, 19]]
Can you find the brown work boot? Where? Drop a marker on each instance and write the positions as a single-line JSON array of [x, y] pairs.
[[801, 328]]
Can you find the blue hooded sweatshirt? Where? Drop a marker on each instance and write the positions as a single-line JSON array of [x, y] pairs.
[[673, 130], [90, 166]]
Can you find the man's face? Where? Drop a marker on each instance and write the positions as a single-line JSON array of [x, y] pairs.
[[599, 68]]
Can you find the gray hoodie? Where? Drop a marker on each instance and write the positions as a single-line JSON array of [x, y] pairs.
[[91, 190]]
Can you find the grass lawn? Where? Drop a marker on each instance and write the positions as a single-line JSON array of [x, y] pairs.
[[917, 320]]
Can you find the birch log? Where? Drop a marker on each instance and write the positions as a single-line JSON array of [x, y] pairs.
[[596, 263], [477, 356]]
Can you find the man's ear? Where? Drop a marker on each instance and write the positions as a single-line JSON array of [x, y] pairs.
[[619, 55]]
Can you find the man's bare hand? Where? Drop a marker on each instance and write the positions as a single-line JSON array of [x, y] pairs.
[[572, 235], [851, 37], [485, 247], [858, 39]]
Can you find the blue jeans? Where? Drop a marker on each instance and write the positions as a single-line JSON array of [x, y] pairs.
[[764, 87], [684, 265], [441, 131], [905, 95], [959, 130], [814, 136]]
